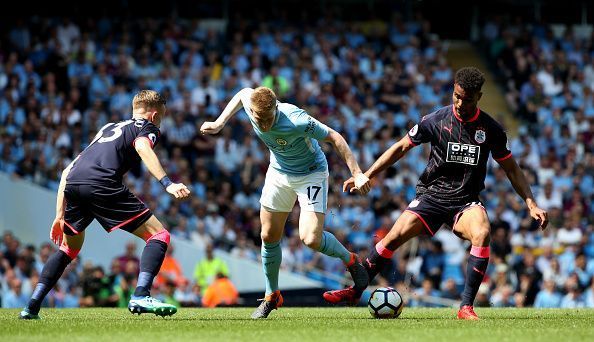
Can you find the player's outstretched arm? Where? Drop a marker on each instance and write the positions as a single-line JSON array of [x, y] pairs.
[[149, 158], [239, 100], [360, 181], [522, 188], [391, 156], [57, 229]]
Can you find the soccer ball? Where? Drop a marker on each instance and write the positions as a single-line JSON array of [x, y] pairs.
[[385, 302]]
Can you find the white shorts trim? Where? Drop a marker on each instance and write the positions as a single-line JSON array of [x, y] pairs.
[[281, 191]]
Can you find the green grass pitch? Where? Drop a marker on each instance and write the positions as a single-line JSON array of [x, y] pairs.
[[299, 324]]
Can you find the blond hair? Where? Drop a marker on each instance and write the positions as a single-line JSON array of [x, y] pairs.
[[148, 99], [263, 99]]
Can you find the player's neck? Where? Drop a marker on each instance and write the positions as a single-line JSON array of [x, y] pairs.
[[467, 117]]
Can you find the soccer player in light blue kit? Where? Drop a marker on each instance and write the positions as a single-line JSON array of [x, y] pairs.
[[298, 171]]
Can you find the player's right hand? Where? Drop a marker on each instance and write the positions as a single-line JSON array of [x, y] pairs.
[[178, 190], [541, 216], [57, 231], [362, 183], [211, 127]]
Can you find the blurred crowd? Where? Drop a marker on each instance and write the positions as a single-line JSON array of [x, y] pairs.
[[61, 80]]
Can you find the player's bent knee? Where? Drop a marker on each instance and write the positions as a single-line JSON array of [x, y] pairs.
[[405, 223], [268, 237], [149, 228], [481, 237], [163, 236], [407, 220], [71, 252], [311, 241]]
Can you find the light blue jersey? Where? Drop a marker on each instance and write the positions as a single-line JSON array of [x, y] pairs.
[[292, 141]]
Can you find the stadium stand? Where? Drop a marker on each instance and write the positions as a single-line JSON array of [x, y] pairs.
[[62, 79]]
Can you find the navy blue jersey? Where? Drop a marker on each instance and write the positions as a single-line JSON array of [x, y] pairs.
[[111, 153], [457, 164]]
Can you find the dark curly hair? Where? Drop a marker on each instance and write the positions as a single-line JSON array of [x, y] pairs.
[[470, 78]]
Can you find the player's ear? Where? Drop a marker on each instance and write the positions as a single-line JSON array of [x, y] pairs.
[[480, 94]]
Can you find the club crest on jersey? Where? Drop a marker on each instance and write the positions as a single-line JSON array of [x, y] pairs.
[[413, 130], [152, 137], [480, 136], [281, 141]]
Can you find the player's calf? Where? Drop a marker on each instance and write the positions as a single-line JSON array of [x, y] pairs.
[[475, 272], [377, 259], [52, 271], [150, 261], [358, 273]]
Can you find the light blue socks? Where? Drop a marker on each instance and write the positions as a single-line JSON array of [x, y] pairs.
[[332, 247], [272, 255]]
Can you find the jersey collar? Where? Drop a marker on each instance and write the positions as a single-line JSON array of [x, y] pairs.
[[476, 115], [276, 113]]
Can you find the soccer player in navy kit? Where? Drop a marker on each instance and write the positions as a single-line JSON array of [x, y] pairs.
[[91, 187], [462, 137]]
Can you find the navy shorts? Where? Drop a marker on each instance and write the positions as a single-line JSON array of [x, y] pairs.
[[434, 213], [113, 206]]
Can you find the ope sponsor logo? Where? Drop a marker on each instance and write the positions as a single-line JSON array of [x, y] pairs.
[[463, 153], [457, 147]]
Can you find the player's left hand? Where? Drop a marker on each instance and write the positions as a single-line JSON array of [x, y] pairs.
[[349, 185], [540, 215], [57, 231], [359, 182], [178, 190], [211, 127]]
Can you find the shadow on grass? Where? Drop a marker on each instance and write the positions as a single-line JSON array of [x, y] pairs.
[[290, 318]]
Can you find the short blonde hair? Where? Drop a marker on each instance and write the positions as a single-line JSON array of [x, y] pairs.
[[148, 99], [263, 99]]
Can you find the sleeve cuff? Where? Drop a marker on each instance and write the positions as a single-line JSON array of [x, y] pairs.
[[503, 158], [149, 141], [410, 140]]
